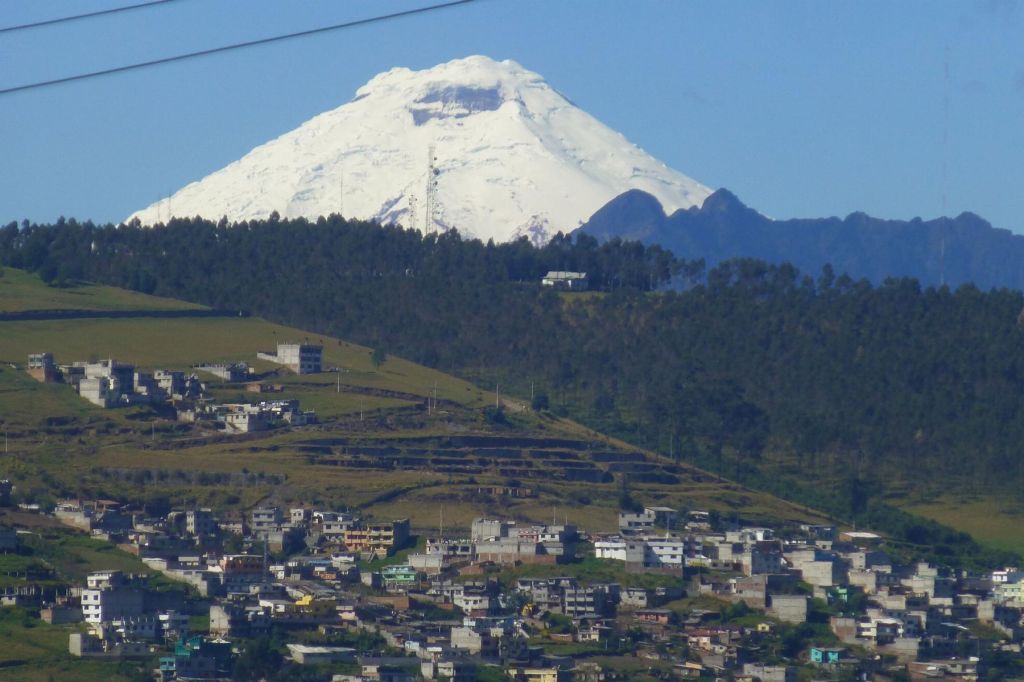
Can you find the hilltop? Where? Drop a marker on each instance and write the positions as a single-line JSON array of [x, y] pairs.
[[834, 393]]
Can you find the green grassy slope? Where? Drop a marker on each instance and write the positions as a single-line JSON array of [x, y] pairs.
[[60, 443], [20, 290]]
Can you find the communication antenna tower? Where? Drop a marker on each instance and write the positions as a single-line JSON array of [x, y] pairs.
[[428, 220], [412, 211]]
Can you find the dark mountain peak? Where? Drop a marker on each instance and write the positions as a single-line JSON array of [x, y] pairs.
[[722, 206], [722, 200], [637, 203], [634, 214], [969, 218]]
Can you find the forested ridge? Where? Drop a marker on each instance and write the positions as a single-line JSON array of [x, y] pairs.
[[822, 388]]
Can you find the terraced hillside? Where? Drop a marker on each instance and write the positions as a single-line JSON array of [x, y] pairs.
[[393, 439], [527, 458]]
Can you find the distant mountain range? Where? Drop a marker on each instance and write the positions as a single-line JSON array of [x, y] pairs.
[[951, 250]]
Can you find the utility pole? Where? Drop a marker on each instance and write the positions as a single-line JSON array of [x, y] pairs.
[[497, 397], [435, 394], [339, 379]]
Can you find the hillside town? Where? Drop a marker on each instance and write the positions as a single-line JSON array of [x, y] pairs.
[[339, 344], [108, 383], [668, 593]]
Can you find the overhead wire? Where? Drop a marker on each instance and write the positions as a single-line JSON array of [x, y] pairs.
[[235, 46], [87, 15]]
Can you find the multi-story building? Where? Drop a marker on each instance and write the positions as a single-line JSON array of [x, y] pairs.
[[170, 382], [1010, 592], [112, 369], [334, 524], [238, 571], [583, 602], [488, 529], [637, 522], [380, 539], [239, 620], [265, 518], [299, 516], [200, 522], [108, 596], [101, 391], [400, 578], [301, 358]]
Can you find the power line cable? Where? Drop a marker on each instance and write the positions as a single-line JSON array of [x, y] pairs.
[[235, 46], [87, 15]]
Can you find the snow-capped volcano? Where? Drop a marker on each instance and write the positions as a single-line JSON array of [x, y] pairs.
[[483, 146]]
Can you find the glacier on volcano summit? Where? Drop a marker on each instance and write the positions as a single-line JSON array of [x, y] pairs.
[[483, 146]]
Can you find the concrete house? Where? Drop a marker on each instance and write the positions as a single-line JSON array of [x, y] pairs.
[[301, 358]]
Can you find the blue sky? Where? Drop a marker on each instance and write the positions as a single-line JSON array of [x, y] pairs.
[[802, 109]]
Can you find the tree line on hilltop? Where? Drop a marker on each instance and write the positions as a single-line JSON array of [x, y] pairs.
[[823, 388]]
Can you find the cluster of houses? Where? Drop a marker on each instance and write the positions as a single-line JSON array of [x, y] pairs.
[[449, 606], [109, 383], [248, 417]]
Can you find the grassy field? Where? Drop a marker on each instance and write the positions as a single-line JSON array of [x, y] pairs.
[[20, 290], [24, 401], [996, 522]]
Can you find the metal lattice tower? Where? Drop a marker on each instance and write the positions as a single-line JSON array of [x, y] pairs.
[[428, 219]]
